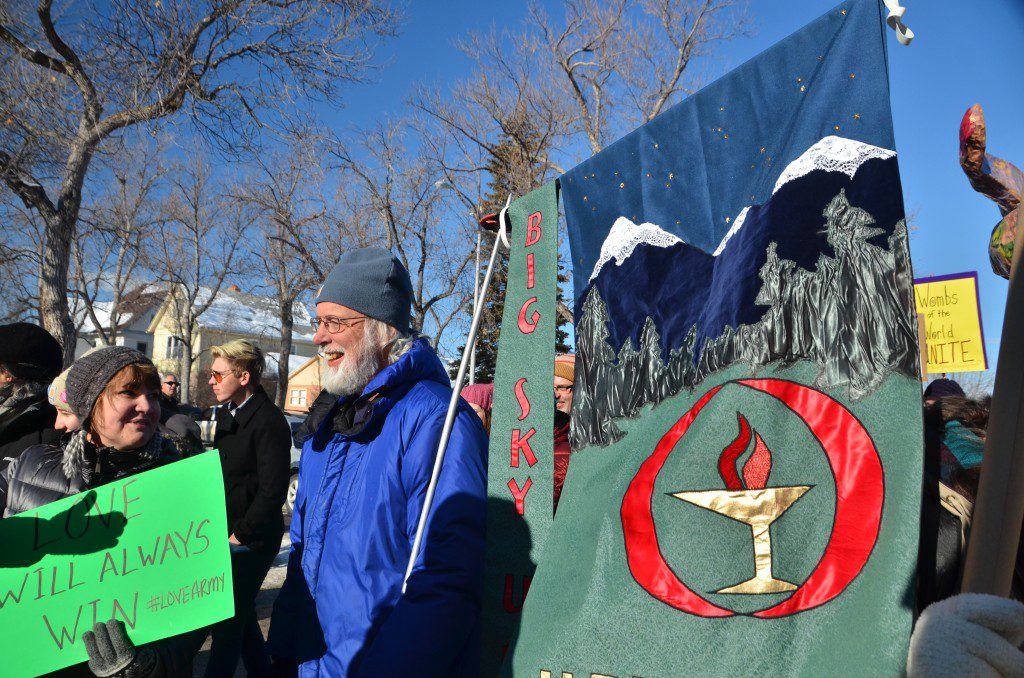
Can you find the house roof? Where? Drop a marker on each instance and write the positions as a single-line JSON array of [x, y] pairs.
[[236, 311], [134, 304]]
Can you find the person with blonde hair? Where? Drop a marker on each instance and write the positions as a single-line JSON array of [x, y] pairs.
[[254, 443]]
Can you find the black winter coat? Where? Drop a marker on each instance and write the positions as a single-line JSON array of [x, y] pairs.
[[37, 477], [33, 415], [11, 451], [255, 454]]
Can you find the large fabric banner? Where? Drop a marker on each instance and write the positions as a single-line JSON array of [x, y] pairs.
[[744, 491], [520, 482], [150, 550]]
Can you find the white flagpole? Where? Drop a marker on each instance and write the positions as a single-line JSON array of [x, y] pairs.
[[500, 238]]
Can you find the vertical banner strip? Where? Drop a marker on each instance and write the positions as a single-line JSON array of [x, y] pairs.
[[520, 482]]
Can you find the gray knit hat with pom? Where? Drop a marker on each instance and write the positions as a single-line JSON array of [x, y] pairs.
[[90, 374]]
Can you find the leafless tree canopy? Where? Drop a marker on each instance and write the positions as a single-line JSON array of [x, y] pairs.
[[74, 75], [194, 249], [295, 246], [107, 255], [560, 91], [406, 200]]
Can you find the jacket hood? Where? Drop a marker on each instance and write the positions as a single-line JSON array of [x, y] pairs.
[[419, 363]]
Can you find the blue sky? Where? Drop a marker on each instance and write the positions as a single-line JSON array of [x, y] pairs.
[[959, 57]]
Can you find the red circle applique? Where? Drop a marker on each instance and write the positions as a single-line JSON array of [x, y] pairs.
[[860, 492]]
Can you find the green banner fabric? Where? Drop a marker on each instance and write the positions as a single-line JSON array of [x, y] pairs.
[[520, 480], [150, 550], [744, 492]]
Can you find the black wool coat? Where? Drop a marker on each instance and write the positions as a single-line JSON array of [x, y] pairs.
[[255, 454], [33, 415]]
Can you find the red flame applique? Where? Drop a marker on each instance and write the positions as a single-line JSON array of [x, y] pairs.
[[732, 452], [756, 468]]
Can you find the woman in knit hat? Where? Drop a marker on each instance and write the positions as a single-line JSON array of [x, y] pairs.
[[113, 392]]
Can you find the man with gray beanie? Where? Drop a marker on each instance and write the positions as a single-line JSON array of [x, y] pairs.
[[363, 478]]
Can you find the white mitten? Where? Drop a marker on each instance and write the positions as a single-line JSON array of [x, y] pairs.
[[970, 634]]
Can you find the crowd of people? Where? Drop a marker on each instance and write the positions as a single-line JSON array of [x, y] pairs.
[[347, 606]]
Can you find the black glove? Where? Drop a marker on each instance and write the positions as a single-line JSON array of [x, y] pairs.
[[112, 653]]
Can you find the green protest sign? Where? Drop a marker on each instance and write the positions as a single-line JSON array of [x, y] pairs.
[[150, 550]]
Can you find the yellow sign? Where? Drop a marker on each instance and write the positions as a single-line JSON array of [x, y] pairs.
[[952, 317]]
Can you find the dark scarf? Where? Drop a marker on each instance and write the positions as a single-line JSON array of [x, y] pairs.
[[84, 460]]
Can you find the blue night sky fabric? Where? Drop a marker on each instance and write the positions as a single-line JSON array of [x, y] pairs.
[[695, 167]]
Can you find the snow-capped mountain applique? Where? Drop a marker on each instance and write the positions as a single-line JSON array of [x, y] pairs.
[[624, 237], [829, 154]]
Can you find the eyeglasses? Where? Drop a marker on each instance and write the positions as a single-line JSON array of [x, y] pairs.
[[219, 376], [171, 383], [563, 389], [333, 324]]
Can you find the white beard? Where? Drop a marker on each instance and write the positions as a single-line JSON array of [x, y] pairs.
[[350, 379]]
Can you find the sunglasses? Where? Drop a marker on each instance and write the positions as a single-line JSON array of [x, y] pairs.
[[219, 376], [171, 383]]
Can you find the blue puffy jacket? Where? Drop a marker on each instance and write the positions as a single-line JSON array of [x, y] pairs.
[[341, 611]]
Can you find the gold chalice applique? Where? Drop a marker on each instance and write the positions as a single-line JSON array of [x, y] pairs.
[[748, 501]]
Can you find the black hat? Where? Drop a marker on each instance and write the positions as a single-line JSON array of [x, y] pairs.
[[30, 353], [944, 388]]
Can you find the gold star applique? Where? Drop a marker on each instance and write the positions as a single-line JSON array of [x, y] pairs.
[[856, 116]]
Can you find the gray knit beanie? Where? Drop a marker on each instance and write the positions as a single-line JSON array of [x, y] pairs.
[[90, 374], [373, 282]]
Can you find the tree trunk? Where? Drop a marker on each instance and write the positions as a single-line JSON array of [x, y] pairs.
[[186, 376], [53, 283], [59, 234], [287, 321]]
